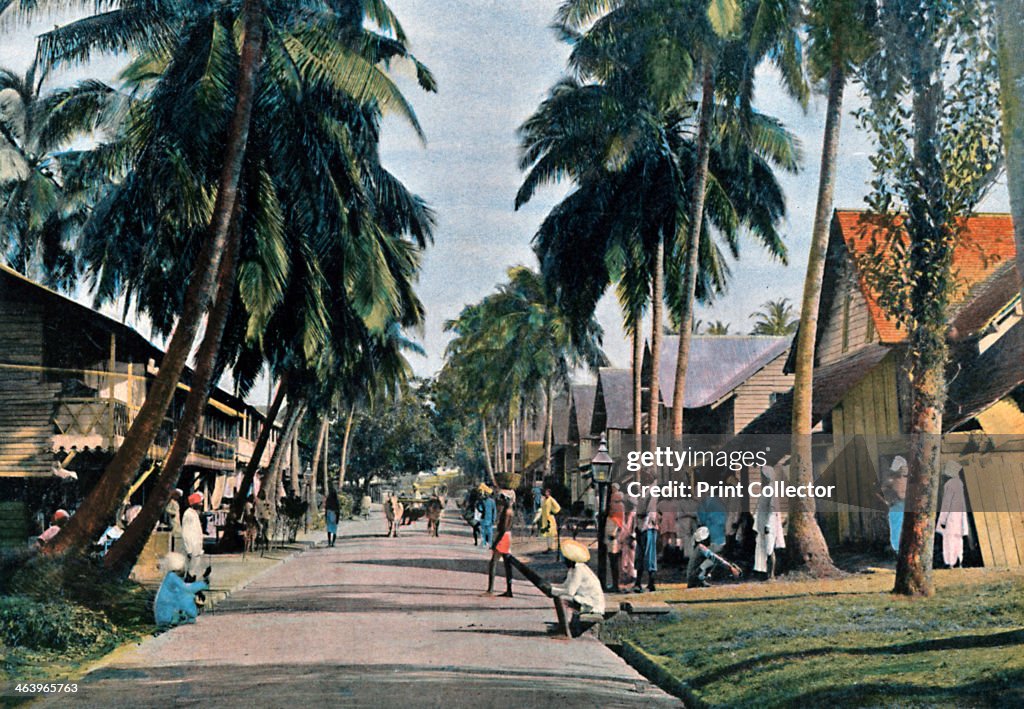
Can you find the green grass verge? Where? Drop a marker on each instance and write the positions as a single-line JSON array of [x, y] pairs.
[[963, 647]]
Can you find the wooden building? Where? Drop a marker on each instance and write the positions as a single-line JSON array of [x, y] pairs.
[[861, 395], [71, 382]]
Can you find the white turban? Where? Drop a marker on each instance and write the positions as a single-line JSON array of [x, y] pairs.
[[898, 463], [952, 469]]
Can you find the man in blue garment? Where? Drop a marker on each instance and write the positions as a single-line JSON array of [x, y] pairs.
[[488, 517]]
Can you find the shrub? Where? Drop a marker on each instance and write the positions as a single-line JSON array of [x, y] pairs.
[[47, 625], [346, 504]]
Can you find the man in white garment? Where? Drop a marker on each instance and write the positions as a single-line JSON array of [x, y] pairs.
[[768, 526], [953, 524], [582, 589], [192, 536]]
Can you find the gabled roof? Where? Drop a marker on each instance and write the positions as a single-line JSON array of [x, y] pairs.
[[718, 364], [980, 261], [581, 410], [614, 400]]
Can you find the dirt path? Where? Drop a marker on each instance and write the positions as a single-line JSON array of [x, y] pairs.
[[373, 622]]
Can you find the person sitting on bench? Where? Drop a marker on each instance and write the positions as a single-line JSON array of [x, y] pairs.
[[703, 560], [582, 589]]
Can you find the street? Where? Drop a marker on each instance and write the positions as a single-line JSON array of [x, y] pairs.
[[372, 622]]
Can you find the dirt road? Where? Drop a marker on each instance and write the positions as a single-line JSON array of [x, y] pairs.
[[372, 622]]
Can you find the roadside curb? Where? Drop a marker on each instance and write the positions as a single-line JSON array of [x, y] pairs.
[[646, 665]]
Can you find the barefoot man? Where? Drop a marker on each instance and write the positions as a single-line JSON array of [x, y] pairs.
[[503, 545]]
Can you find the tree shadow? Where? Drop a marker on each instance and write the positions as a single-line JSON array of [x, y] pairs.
[[957, 642], [507, 632]]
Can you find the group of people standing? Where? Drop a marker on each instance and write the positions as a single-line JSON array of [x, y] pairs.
[[952, 523]]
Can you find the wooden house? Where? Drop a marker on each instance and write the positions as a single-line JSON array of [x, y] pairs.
[[861, 394], [613, 409], [71, 382]]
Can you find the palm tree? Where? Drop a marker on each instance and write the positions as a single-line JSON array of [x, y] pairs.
[[775, 318], [517, 346], [717, 328], [840, 38], [769, 29], [1011, 98], [47, 189], [629, 149], [307, 53]]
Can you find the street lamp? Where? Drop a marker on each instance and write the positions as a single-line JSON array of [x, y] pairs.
[[601, 471]]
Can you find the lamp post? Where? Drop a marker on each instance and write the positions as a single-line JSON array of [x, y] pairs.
[[601, 470]]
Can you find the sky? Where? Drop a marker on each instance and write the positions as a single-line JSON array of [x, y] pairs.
[[494, 61]]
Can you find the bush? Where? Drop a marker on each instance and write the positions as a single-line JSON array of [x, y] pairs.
[[39, 625], [346, 504], [86, 583]]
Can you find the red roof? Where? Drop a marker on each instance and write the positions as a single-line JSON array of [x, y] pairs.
[[985, 246]]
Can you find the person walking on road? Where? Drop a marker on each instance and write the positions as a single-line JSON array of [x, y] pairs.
[[549, 507], [192, 536], [332, 510], [503, 545], [488, 513]]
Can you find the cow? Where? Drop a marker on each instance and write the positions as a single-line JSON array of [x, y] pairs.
[[393, 511], [435, 513]]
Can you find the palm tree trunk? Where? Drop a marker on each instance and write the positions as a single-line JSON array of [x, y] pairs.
[[806, 542], [549, 418], [693, 232], [314, 470], [638, 358], [487, 452], [125, 551], [513, 465], [102, 501], [295, 467], [344, 447], [271, 481], [238, 504], [927, 340], [657, 303], [1010, 28]]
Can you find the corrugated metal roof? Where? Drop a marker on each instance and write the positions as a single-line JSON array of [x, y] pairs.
[[985, 246], [718, 364]]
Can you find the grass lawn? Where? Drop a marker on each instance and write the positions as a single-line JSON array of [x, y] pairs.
[[842, 642]]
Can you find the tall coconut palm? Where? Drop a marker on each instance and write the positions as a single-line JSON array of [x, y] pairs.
[[1010, 28], [46, 191], [630, 164], [840, 38], [314, 48]]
